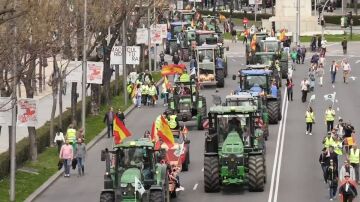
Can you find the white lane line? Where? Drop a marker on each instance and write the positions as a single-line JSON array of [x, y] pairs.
[[333, 86], [271, 192], [202, 169], [281, 153], [233, 60], [195, 186], [357, 61], [336, 100], [338, 109]]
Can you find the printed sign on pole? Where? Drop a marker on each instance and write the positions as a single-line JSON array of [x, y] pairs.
[[142, 36], [116, 55], [253, 2], [95, 72], [74, 71], [155, 35], [163, 30], [132, 55], [180, 5], [5, 111], [27, 112]]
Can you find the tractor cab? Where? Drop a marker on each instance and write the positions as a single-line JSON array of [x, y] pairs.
[[211, 23], [185, 15], [134, 159], [203, 35], [270, 44], [265, 58]]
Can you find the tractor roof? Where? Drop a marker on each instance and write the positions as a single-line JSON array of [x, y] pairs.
[[205, 32], [271, 39], [142, 142], [232, 109], [258, 66], [240, 95], [265, 53], [179, 23], [206, 47], [186, 11], [255, 72]]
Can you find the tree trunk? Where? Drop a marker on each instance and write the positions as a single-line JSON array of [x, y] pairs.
[[117, 80], [74, 97], [95, 101], [60, 99], [107, 73], [54, 86], [40, 74]]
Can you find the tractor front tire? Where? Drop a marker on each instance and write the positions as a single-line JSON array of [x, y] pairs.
[[211, 174], [107, 197], [273, 110], [220, 78], [256, 173]]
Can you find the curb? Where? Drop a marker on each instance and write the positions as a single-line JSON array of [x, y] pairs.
[[90, 145]]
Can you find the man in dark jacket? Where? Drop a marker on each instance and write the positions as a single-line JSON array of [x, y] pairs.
[[121, 116], [344, 45], [331, 155], [108, 119], [322, 161], [347, 189], [332, 178]]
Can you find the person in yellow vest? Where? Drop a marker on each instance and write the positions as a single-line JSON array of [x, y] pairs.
[[329, 118], [173, 121], [129, 89], [338, 146], [185, 77], [152, 94], [309, 119], [144, 93], [328, 141], [354, 158], [71, 134], [158, 120]]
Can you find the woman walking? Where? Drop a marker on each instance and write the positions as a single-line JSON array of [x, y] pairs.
[[311, 79], [309, 119], [289, 85], [320, 73]]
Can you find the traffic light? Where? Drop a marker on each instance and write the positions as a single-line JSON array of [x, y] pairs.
[[349, 18]]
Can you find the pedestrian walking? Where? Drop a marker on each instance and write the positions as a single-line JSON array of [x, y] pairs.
[[332, 177], [80, 153], [144, 88], [347, 189], [333, 69], [290, 86], [354, 159], [315, 59], [59, 139], [298, 54], [121, 116], [138, 96], [344, 45], [320, 73], [329, 118], [347, 168], [311, 75], [293, 55], [80, 134], [321, 59], [108, 120], [66, 154], [304, 85], [313, 44], [323, 46], [322, 161], [71, 134], [346, 70], [303, 54], [233, 35], [309, 120]]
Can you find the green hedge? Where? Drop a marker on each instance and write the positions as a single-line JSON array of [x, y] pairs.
[[335, 19], [249, 16], [42, 137]]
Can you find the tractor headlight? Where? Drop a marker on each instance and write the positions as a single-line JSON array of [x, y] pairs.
[[133, 184], [123, 185]]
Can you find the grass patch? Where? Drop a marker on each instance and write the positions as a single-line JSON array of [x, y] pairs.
[[333, 38], [46, 166]]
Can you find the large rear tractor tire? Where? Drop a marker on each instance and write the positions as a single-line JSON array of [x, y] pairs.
[[185, 165], [156, 196], [273, 110], [211, 174], [107, 197], [256, 173], [220, 78]]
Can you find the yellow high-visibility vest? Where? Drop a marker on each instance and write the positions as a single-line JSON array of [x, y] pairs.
[[329, 115], [309, 117], [71, 135], [172, 121], [338, 148], [152, 90], [354, 156], [329, 142], [185, 77]]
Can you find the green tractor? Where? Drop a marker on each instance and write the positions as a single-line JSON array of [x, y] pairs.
[[248, 52], [171, 45], [185, 15], [187, 103], [252, 99], [258, 81], [134, 160], [188, 44], [208, 73], [272, 46], [232, 156], [211, 23]]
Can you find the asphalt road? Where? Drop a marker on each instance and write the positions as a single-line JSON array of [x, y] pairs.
[[298, 178]]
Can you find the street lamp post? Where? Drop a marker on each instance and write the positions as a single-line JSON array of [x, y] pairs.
[[323, 19], [297, 37], [149, 38], [84, 66], [124, 40]]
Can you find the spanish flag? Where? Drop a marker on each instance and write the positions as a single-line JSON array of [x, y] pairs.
[[120, 131], [172, 69], [253, 43], [153, 132], [282, 36], [165, 133]]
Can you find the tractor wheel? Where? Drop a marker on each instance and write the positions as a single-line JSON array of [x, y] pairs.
[[211, 174], [226, 69], [219, 77], [256, 173], [107, 197], [273, 110], [156, 196]]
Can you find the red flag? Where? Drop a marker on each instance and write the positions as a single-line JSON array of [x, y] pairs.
[[165, 133], [120, 131], [153, 132]]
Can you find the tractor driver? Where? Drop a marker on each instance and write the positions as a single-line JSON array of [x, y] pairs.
[[234, 124], [137, 159], [256, 88]]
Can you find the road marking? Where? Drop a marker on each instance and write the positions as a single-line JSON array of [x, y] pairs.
[[353, 77], [232, 59], [333, 86], [195, 186], [202, 169], [338, 109], [336, 100], [357, 61], [281, 152], [277, 149]]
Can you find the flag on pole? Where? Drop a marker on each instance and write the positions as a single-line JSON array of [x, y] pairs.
[[167, 83], [185, 130], [330, 97], [138, 186], [165, 133], [153, 132], [312, 98], [120, 131], [253, 43]]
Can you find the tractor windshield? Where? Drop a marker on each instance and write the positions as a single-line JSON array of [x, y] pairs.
[[187, 17], [270, 46], [133, 157], [240, 102], [206, 56], [177, 29], [227, 123], [255, 81], [264, 59], [201, 38]]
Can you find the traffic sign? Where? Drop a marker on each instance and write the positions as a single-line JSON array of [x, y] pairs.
[[245, 21]]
